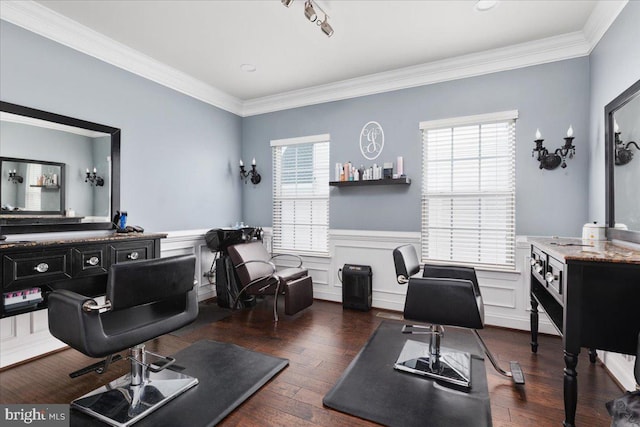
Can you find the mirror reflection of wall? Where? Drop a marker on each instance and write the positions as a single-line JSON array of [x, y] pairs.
[[78, 149], [627, 177]]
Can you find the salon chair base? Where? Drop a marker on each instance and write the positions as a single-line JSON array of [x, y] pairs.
[[453, 366], [121, 404]]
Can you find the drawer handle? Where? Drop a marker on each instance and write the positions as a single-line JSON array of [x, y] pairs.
[[42, 267], [133, 255], [536, 266], [94, 260], [549, 277]]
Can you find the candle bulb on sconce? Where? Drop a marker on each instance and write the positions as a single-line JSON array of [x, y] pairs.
[[253, 173], [549, 160]]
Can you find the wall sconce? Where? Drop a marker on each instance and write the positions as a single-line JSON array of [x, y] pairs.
[[551, 161], [255, 176], [623, 152], [93, 179], [15, 178], [311, 14]]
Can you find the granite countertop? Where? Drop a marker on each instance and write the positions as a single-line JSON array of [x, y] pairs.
[[98, 238], [572, 249]]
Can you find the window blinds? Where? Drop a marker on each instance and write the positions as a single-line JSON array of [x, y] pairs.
[[468, 190], [301, 194]]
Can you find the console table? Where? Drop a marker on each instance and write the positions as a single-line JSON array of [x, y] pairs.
[[591, 292], [80, 264]]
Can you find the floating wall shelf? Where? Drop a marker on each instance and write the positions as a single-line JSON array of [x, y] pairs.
[[387, 181]]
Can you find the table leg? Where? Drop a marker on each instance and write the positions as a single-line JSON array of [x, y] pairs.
[[570, 388], [592, 355], [534, 324]]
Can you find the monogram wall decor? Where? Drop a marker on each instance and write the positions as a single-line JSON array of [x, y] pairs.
[[371, 140]]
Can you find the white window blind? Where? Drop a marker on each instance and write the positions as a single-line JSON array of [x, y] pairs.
[[301, 194], [468, 190]]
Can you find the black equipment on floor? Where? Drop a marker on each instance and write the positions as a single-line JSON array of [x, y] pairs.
[[218, 240], [357, 287]]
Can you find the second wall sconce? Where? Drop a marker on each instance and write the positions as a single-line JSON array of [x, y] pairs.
[[253, 173], [15, 178], [623, 153], [549, 160], [93, 179]]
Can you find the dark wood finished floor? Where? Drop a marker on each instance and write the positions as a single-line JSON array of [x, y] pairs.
[[320, 342]]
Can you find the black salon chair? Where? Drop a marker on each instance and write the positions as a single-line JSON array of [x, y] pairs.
[[442, 295], [257, 275], [144, 299]]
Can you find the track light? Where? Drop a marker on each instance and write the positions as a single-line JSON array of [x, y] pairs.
[[310, 13], [326, 28]]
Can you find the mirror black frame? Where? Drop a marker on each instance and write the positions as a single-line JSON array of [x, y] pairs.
[[621, 100], [62, 186], [8, 228]]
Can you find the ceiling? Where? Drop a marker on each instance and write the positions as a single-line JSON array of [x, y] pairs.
[[376, 41]]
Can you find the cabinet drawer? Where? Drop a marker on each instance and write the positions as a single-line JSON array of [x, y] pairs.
[[131, 251], [538, 264], [554, 278], [32, 269], [89, 260]]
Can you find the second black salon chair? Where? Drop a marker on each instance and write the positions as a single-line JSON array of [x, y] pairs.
[[442, 295]]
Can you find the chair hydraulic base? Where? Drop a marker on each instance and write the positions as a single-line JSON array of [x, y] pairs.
[[448, 365], [122, 402]]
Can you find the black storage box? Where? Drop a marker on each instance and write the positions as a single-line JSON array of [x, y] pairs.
[[356, 287]]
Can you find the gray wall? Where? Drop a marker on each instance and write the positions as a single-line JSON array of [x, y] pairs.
[[549, 97], [179, 154], [615, 65]]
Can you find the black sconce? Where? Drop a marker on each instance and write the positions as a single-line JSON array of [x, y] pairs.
[[623, 152], [15, 178], [93, 179], [551, 161], [255, 176]]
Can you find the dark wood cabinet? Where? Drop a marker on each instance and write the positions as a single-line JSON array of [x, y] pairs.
[[31, 268], [591, 293]]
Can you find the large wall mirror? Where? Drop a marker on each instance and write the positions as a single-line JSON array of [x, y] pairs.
[[57, 173], [622, 155]]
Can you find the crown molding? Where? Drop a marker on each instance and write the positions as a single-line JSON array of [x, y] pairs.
[[522, 55], [601, 19], [47, 23]]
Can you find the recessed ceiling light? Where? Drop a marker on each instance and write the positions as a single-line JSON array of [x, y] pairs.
[[248, 68], [484, 5]]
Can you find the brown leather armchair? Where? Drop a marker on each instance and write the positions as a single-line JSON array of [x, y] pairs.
[[257, 275]]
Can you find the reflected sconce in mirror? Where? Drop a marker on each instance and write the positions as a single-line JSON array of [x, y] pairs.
[[549, 160], [623, 153], [15, 178], [253, 173], [93, 179]]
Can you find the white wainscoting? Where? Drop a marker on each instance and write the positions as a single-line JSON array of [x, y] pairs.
[[505, 293]]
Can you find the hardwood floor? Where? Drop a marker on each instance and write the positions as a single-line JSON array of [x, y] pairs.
[[320, 342]]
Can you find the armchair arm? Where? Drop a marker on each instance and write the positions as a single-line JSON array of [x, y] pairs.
[[290, 255], [269, 263], [70, 322]]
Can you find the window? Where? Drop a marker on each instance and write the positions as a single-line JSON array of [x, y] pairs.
[[301, 194], [468, 190]]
